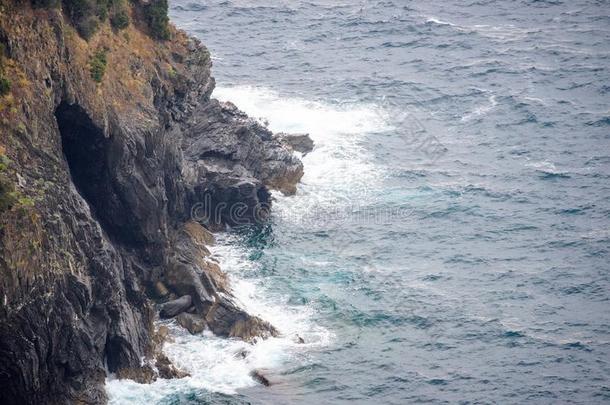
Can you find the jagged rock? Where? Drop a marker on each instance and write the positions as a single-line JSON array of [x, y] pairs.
[[161, 336], [173, 308], [217, 276], [226, 319], [193, 323], [166, 369], [298, 142], [142, 375], [199, 234], [260, 378], [190, 272], [238, 157], [163, 364]]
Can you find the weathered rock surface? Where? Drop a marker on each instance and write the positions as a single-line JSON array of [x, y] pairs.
[[166, 369], [226, 319], [111, 176], [175, 307], [298, 142], [191, 322]]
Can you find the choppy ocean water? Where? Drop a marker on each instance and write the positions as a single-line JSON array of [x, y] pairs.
[[450, 241]]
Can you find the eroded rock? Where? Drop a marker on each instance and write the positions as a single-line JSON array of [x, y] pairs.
[[298, 142], [167, 369], [173, 308], [199, 234], [227, 319], [142, 375], [193, 323]]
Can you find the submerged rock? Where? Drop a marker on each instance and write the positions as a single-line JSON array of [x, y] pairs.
[[260, 378], [173, 308], [242, 354]]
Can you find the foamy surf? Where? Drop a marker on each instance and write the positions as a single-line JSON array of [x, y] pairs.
[[216, 364], [338, 170]]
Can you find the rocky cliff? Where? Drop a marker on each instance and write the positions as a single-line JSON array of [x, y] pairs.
[[114, 164]]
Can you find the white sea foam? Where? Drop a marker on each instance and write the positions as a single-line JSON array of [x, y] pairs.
[[338, 170], [213, 362], [481, 110], [439, 22], [502, 33]]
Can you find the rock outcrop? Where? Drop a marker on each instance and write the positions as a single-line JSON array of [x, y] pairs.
[[107, 186], [298, 142], [191, 322], [175, 307]]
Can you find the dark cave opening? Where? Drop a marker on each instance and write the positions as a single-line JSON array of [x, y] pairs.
[[86, 151], [92, 160]]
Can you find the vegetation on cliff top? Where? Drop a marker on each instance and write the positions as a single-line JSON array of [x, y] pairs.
[[158, 21], [88, 15]]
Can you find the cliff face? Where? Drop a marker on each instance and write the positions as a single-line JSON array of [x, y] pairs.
[[102, 180]]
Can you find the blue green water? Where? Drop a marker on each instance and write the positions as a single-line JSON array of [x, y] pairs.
[[450, 239]]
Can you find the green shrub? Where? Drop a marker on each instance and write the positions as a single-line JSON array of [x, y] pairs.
[[8, 196], [86, 15], [79, 9], [5, 85], [102, 9], [98, 66], [158, 21], [119, 20], [87, 26]]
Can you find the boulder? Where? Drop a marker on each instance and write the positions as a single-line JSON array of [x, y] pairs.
[[193, 323], [227, 319], [142, 375], [298, 142], [173, 308], [166, 369]]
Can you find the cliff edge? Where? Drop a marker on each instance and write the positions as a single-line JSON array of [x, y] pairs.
[[114, 165]]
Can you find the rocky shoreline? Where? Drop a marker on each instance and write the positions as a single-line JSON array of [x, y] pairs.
[[110, 189]]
